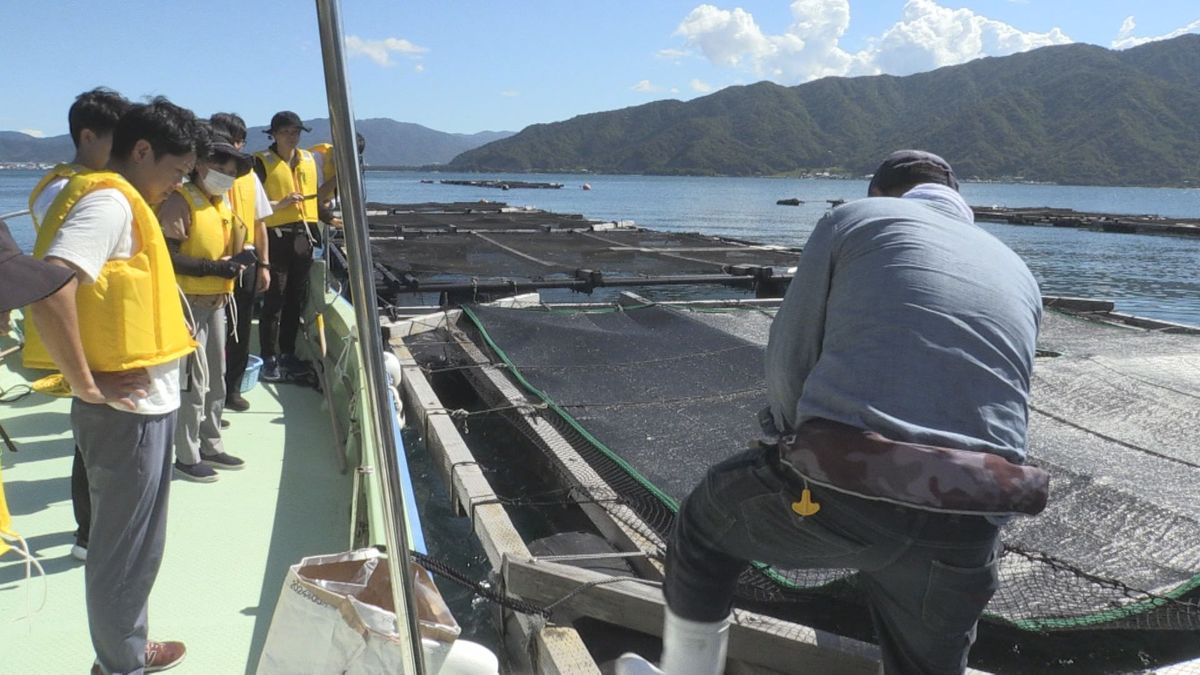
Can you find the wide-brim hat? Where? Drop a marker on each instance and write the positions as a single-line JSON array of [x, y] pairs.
[[25, 280], [285, 118], [222, 146]]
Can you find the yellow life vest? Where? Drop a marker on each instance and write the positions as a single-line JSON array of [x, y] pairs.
[[131, 317], [209, 238], [243, 197], [59, 171], [328, 165], [282, 181]]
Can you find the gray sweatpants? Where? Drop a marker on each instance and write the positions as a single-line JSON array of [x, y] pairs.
[[128, 460], [202, 399]]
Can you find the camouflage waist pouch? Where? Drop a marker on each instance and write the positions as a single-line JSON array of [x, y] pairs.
[[865, 464]]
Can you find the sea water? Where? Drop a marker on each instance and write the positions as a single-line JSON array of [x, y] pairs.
[[1148, 275]]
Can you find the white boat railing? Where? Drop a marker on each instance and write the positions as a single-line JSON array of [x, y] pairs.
[[381, 422]]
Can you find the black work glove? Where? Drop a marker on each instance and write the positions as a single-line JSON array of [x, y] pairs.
[[226, 269]]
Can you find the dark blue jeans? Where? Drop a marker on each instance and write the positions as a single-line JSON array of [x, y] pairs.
[[927, 575]]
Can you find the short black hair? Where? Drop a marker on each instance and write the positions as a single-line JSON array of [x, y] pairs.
[[168, 128], [204, 140], [98, 110], [230, 124]]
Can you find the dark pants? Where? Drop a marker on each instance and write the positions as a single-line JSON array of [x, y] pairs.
[[291, 259], [237, 338], [927, 576], [80, 500], [128, 458]]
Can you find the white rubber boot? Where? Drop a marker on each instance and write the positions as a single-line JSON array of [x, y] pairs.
[[689, 648]]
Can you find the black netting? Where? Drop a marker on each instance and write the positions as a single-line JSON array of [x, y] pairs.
[[620, 253], [651, 397]]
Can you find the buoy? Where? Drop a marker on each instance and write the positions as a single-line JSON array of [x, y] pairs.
[[585, 186]]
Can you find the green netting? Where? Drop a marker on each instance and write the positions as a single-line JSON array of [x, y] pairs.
[[651, 397]]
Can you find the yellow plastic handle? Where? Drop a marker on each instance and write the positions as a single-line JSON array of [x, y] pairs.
[[806, 506]]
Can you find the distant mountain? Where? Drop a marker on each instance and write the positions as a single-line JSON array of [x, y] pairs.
[[19, 147], [389, 143], [392, 143], [1068, 114]]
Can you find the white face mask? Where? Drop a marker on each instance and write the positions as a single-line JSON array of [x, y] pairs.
[[217, 183]]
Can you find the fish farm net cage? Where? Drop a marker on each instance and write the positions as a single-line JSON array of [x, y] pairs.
[[470, 250], [651, 396]]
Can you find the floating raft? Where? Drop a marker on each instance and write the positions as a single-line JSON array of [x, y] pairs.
[[467, 249], [1101, 222], [504, 184], [632, 402]]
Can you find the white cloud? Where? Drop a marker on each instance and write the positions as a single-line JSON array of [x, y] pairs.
[[36, 133], [672, 54], [419, 68], [927, 36], [380, 51], [700, 86], [510, 93], [646, 86], [1125, 38]]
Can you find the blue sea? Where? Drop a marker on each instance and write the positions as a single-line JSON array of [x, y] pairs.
[[1155, 276]]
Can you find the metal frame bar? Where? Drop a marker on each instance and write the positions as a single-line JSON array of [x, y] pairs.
[[380, 423]]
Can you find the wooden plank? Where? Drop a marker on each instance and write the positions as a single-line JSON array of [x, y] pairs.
[[557, 649], [753, 638], [621, 525]]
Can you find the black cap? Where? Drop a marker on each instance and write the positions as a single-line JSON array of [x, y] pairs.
[[222, 146], [285, 118], [24, 280], [909, 167]]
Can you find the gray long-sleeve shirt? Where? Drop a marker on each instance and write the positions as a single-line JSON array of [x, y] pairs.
[[907, 319]]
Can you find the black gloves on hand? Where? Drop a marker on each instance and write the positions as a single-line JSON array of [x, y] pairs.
[[226, 269]]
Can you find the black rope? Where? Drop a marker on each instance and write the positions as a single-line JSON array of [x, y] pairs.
[[480, 588], [1125, 589]]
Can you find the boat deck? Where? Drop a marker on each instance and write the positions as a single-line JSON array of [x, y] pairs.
[[229, 543]]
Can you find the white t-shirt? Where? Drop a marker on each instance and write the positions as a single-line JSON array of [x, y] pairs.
[[99, 228], [262, 203], [42, 204]]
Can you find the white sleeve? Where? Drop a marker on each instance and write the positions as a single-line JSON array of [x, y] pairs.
[[42, 204], [98, 228], [262, 203]]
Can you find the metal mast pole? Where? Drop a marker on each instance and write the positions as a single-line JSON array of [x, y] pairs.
[[381, 423]]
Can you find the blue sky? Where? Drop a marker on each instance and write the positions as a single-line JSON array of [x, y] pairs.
[[473, 65]]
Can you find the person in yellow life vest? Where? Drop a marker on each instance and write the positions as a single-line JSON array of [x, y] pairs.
[[91, 119], [117, 332], [327, 178], [201, 235], [22, 280], [251, 207], [289, 174]]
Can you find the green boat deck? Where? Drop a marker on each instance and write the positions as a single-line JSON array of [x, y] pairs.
[[229, 543]]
